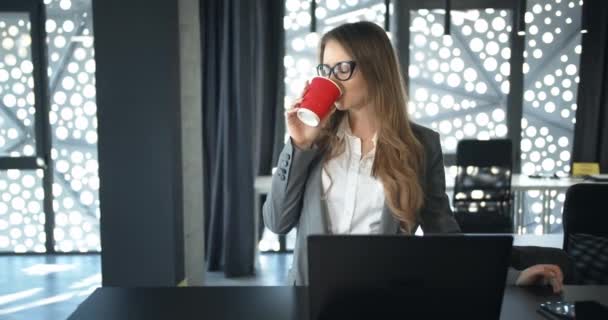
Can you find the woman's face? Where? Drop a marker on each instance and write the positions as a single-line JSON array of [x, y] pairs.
[[355, 95]]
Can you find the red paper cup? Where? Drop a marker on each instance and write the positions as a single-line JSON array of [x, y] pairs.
[[322, 93]]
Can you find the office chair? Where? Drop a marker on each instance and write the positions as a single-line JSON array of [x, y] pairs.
[[585, 219], [482, 190]]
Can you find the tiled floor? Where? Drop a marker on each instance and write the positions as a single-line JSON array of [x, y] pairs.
[[271, 270], [46, 287], [51, 287]]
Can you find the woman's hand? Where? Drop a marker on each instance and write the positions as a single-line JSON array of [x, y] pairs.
[[302, 135], [542, 274]]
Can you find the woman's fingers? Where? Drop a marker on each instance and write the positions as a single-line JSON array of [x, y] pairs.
[[554, 276], [556, 271], [560, 274], [558, 279], [295, 104], [555, 284], [543, 274], [292, 116], [291, 112]]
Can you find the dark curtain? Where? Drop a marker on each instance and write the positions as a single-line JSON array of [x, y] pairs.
[[591, 129], [269, 127], [242, 121]]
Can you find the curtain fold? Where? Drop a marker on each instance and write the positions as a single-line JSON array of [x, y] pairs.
[[270, 90], [242, 64], [591, 129]]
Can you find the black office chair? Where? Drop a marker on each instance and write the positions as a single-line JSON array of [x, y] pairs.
[[482, 191], [585, 219]]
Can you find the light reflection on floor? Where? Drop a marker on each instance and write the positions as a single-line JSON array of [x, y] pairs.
[[52, 287], [46, 287]]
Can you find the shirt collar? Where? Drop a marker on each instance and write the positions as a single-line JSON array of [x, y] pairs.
[[344, 131]]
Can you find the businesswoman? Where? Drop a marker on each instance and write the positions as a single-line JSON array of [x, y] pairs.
[[366, 169]]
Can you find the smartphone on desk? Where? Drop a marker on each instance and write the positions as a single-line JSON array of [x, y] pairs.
[[557, 310], [560, 310]]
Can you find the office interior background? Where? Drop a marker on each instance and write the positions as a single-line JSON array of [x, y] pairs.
[[117, 120]]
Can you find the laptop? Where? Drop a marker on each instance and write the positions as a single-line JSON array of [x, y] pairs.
[[407, 277]]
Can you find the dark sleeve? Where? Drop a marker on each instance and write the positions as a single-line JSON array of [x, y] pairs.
[[523, 257], [283, 204], [436, 215]]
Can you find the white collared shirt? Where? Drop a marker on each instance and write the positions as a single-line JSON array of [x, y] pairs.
[[353, 197]]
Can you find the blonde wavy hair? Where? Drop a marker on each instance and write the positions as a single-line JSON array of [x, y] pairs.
[[399, 155]]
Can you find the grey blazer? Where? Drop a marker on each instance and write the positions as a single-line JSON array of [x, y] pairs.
[[295, 199]]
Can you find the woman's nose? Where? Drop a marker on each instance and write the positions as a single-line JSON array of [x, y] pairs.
[[332, 76]]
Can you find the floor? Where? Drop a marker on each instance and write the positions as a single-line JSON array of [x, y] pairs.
[[46, 287], [271, 270], [51, 287]]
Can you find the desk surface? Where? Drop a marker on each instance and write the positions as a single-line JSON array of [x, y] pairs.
[[270, 302], [555, 240], [519, 182]]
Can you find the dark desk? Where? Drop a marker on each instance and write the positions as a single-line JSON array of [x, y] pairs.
[[269, 302]]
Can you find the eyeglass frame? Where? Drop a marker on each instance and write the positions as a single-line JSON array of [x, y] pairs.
[[351, 63]]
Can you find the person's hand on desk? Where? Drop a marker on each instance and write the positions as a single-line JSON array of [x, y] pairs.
[[542, 274]]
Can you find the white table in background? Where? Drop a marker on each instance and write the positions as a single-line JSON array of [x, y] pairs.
[[555, 240], [520, 184], [549, 188]]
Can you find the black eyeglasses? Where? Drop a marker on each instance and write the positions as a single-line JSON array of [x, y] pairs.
[[342, 70]]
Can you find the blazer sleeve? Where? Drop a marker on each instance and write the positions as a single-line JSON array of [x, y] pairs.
[[283, 205], [436, 215]]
